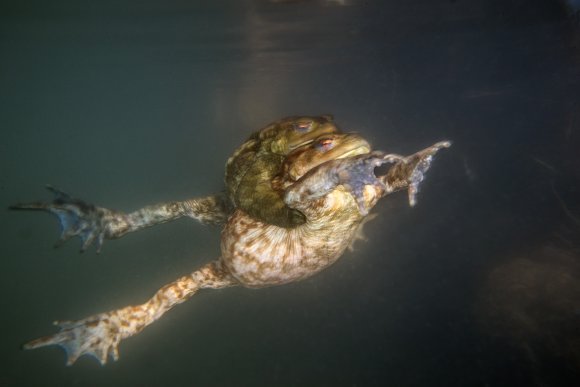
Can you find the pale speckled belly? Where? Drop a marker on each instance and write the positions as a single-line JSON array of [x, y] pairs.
[[261, 255]]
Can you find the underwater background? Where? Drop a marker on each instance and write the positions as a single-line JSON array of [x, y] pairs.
[[125, 104]]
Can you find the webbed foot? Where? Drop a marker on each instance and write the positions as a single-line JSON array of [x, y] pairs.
[[76, 218], [99, 335], [96, 336], [357, 174], [410, 171]]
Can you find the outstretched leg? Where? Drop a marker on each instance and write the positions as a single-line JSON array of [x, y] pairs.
[[99, 335], [356, 173], [94, 224], [408, 172]]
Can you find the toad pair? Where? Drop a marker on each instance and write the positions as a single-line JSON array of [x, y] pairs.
[[297, 192]]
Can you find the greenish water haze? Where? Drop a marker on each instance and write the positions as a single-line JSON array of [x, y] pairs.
[[130, 104]]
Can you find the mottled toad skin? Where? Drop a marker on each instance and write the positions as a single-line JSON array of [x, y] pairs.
[[250, 170], [260, 254], [330, 181]]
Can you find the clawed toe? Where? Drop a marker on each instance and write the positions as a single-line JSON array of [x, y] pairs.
[[76, 218], [408, 172], [95, 336]]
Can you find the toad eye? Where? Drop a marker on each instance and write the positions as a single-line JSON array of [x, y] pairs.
[[324, 145], [303, 126]]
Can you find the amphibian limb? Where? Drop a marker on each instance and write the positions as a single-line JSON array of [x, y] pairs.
[[94, 224]]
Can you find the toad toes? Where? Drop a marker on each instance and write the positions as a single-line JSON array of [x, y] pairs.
[[331, 181]]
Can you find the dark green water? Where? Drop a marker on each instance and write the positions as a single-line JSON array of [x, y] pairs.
[[127, 105]]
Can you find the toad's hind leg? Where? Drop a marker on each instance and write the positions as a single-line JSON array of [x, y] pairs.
[[94, 224], [99, 335]]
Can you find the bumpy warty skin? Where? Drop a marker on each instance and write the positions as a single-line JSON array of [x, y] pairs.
[[250, 170], [259, 254], [335, 198], [335, 194]]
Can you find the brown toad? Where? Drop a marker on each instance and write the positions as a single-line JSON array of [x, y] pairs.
[[250, 170], [331, 181]]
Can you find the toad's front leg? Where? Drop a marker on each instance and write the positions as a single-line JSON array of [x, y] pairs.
[[94, 224], [356, 174], [99, 335], [408, 172]]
